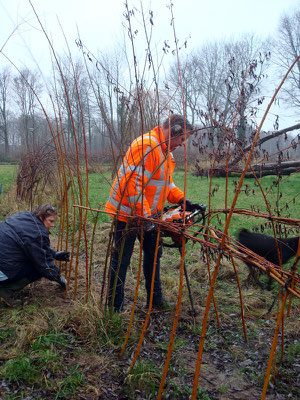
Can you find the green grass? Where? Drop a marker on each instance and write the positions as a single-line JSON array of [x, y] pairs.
[[50, 339], [40, 363], [99, 188], [28, 367], [7, 176], [68, 386], [145, 378], [250, 197], [45, 353], [293, 353], [282, 196], [111, 330]]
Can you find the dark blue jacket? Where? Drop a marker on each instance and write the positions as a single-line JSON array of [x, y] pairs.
[[24, 239]]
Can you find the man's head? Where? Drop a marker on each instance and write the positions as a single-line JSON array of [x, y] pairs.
[[174, 128]]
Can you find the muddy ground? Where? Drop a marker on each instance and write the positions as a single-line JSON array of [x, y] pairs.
[[232, 368]]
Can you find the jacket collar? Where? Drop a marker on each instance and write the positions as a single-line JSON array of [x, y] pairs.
[[161, 138]]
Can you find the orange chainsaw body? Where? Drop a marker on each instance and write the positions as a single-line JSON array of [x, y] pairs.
[[175, 215]]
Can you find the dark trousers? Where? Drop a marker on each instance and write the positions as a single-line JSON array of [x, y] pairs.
[[26, 272], [149, 244]]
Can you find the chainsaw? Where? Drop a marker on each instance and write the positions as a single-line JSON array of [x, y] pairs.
[[174, 215]]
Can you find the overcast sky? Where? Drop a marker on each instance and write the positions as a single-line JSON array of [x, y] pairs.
[[100, 23]]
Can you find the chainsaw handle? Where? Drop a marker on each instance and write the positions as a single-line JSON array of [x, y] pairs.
[[199, 210], [197, 207]]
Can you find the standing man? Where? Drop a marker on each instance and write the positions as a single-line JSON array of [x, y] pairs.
[[142, 185]]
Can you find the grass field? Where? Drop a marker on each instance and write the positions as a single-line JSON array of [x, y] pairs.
[[7, 176], [282, 195], [56, 347]]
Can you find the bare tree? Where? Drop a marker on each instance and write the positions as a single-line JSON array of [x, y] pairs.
[[220, 82], [191, 78], [5, 79], [72, 91], [287, 47], [114, 102], [27, 87]]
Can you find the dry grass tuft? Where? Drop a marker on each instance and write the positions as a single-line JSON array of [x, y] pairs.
[[226, 272], [254, 301]]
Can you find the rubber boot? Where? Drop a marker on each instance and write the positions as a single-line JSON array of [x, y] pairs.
[[8, 290], [17, 285]]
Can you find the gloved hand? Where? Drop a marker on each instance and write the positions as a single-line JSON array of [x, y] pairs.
[[62, 281], [62, 256], [189, 206], [198, 206], [145, 223], [148, 226]]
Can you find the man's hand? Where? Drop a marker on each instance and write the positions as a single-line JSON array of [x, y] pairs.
[[197, 206], [144, 223], [62, 281], [148, 226], [62, 256], [189, 206]]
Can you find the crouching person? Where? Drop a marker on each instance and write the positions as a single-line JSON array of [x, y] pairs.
[[25, 252]]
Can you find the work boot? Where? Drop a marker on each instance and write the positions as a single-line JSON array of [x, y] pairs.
[[10, 289], [17, 285], [162, 305], [7, 297]]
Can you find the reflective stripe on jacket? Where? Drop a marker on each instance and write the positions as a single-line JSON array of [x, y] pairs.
[[144, 180]]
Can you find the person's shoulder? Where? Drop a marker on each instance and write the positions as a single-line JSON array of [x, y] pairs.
[[147, 139], [20, 214], [24, 216], [16, 217], [153, 137], [26, 221]]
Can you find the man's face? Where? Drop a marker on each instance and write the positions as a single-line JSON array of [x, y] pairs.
[[177, 141]]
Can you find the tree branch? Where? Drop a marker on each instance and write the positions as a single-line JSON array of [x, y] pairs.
[[263, 140]]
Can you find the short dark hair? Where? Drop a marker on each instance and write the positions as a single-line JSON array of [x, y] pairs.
[[44, 211], [176, 124]]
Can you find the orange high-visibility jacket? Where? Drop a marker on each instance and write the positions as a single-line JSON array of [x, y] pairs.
[[142, 191]]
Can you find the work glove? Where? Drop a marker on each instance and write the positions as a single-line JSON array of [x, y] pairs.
[[189, 206], [148, 226], [197, 206], [62, 281], [156, 215], [145, 223], [62, 256]]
